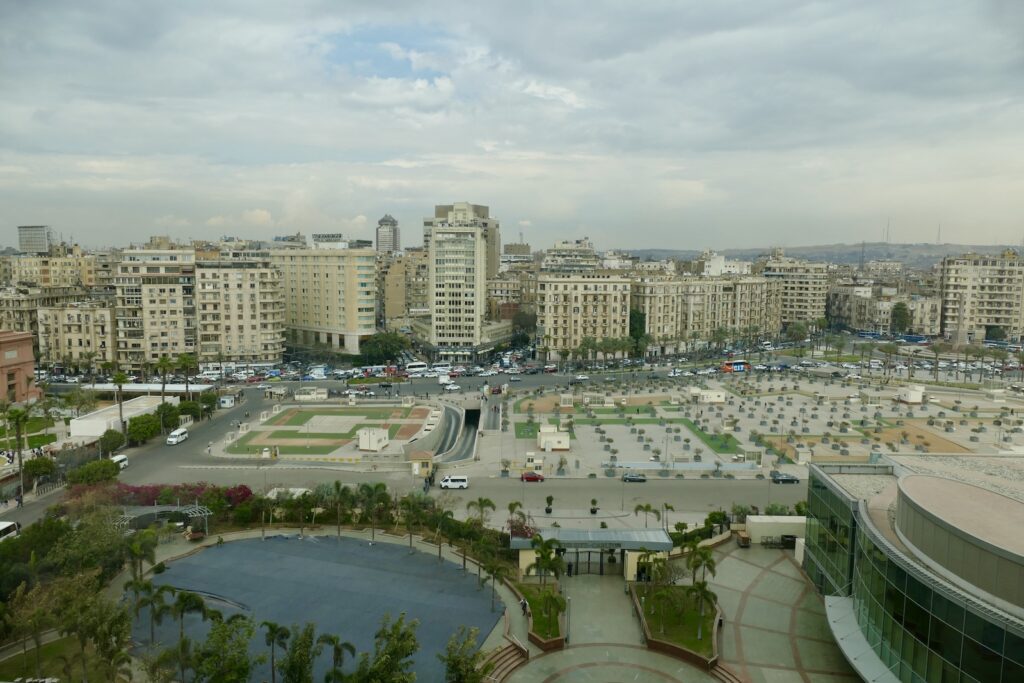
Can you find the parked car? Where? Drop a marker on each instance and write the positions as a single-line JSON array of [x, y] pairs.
[[783, 478], [452, 387], [581, 378], [634, 478], [531, 476]]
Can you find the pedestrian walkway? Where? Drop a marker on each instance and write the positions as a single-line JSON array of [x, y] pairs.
[[606, 663]]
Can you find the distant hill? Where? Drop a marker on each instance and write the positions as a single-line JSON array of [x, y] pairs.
[[913, 255]]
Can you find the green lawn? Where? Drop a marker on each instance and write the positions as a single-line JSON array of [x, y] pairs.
[[725, 444], [303, 416], [37, 440], [351, 434], [51, 664], [526, 430], [34, 424], [679, 626], [542, 625]]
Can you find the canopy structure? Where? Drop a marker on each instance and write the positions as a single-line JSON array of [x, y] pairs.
[[191, 510], [602, 539]]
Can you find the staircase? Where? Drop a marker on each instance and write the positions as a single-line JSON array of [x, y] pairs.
[[725, 675], [506, 659]]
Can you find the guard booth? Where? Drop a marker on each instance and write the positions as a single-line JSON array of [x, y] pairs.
[[599, 551]]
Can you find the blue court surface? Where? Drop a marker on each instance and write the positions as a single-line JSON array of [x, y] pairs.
[[344, 586]]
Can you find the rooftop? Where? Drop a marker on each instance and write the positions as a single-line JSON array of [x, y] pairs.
[[597, 539]]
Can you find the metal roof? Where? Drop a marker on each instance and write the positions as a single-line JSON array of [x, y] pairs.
[[600, 539]]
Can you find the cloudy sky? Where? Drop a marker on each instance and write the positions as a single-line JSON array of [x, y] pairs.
[[656, 124]]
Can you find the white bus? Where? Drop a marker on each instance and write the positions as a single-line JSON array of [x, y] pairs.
[[416, 366], [441, 367], [9, 530]]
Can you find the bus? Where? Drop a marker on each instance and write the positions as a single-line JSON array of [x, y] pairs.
[[736, 366], [416, 366], [9, 530]]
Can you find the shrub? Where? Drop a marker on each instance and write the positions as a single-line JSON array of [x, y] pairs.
[[143, 428], [111, 441], [159, 568], [94, 472]]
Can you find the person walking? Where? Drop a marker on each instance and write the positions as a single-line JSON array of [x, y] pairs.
[[523, 604]]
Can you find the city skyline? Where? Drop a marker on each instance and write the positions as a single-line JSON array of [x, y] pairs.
[[679, 126]]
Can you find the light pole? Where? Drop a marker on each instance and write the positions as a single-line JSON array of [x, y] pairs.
[[568, 617]]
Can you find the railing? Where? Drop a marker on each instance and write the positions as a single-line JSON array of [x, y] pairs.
[[519, 645]]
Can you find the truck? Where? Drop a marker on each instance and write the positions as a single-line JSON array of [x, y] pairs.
[[443, 378]]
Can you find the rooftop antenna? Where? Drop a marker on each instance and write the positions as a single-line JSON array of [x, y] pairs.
[[862, 256], [938, 237]]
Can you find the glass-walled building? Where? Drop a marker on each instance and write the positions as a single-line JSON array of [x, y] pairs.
[[923, 576]]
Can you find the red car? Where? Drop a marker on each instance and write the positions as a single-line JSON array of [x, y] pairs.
[[531, 476]]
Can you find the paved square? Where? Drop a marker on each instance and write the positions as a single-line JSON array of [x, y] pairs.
[[332, 424]]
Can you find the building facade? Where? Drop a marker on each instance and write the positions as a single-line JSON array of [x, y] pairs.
[[72, 270], [457, 289], [330, 295], [574, 306], [389, 239], [803, 287], [240, 311], [80, 334], [464, 214], [18, 367], [923, 576], [981, 292], [19, 306], [35, 239], [572, 256]]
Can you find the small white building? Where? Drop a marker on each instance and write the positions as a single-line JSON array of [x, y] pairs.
[[310, 394], [759, 526], [710, 396], [551, 438], [373, 439], [91, 427], [911, 394], [227, 401]]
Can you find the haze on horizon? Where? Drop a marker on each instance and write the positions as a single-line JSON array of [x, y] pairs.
[[669, 124]]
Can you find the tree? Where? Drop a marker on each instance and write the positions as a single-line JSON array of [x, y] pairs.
[[443, 516], [164, 366], [701, 559], [224, 656], [32, 614], [524, 322], [276, 636], [36, 468], [394, 645], [142, 428], [110, 441], [338, 649], [154, 599], [383, 347], [995, 333], [553, 604], [463, 660], [296, 665], [497, 572], [900, 321], [191, 408], [186, 602], [889, 350], [412, 506], [796, 332], [701, 596], [81, 400], [186, 362], [95, 472], [546, 559], [719, 336], [647, 509], [938, 348], [18, 419], [373, 497], [341, 497], [481, 505], [168, 416], [120, 379]]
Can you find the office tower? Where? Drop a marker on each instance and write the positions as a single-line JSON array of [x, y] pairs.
[[35, 239], [466, 214], [388, 235]]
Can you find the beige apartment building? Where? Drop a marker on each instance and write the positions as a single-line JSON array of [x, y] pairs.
[[803, 286], [81, 334], [155, 305], [574, 256], [504, 295], [402, 286], [19, 306], [571, 306], [457, 288], [74, 269], [240, 311], [926, 312], [980, 292], [330, 295], [464, 214], [682, 311]]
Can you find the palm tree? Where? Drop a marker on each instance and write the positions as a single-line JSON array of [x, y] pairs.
[[553, 604], [665, 507], [701, 596], [497, 571], [338, 649], [153, 598], [341, 496], [939, 348], [647, 509], [18, 419], [512, 508], [442, 517], [372, 497], [412, 507], [185, 602], [186, 362], [164, 366], [120, 379], [547, 558], [481, 505], [701, 559], [275, 637]]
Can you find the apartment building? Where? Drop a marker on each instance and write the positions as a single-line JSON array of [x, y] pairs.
[[19, 306], [981, 292], [515, 254], [712, 264], [861, 306], [926, 314], [803, 286], [78, 334], [74, 269], [329, 295], [389, 236], [457, 288], [572, 256], [464, 214], [240, 311], [571, 306], [504, 296], [155, 305], [35, 239], [402, 285]]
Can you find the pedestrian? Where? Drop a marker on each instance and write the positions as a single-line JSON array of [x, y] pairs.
[[19, 501], [568, 569], [523, 605]]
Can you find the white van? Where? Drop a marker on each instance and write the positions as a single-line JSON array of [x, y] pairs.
[[177, 436], [454, 481], [120, 460]]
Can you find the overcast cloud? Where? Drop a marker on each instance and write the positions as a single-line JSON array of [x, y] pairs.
[[655, 124]]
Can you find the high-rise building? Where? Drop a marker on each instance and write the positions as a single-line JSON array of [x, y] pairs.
[[464, 214], [240, 311], [804, 286], [574, 306], [389, 239], [981, 292], [921, 566], [35, 239], [330, 295], [571, 256], [155, 305], [403, 287], [457, 288]]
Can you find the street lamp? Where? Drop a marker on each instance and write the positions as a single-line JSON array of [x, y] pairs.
[[568, 617]]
